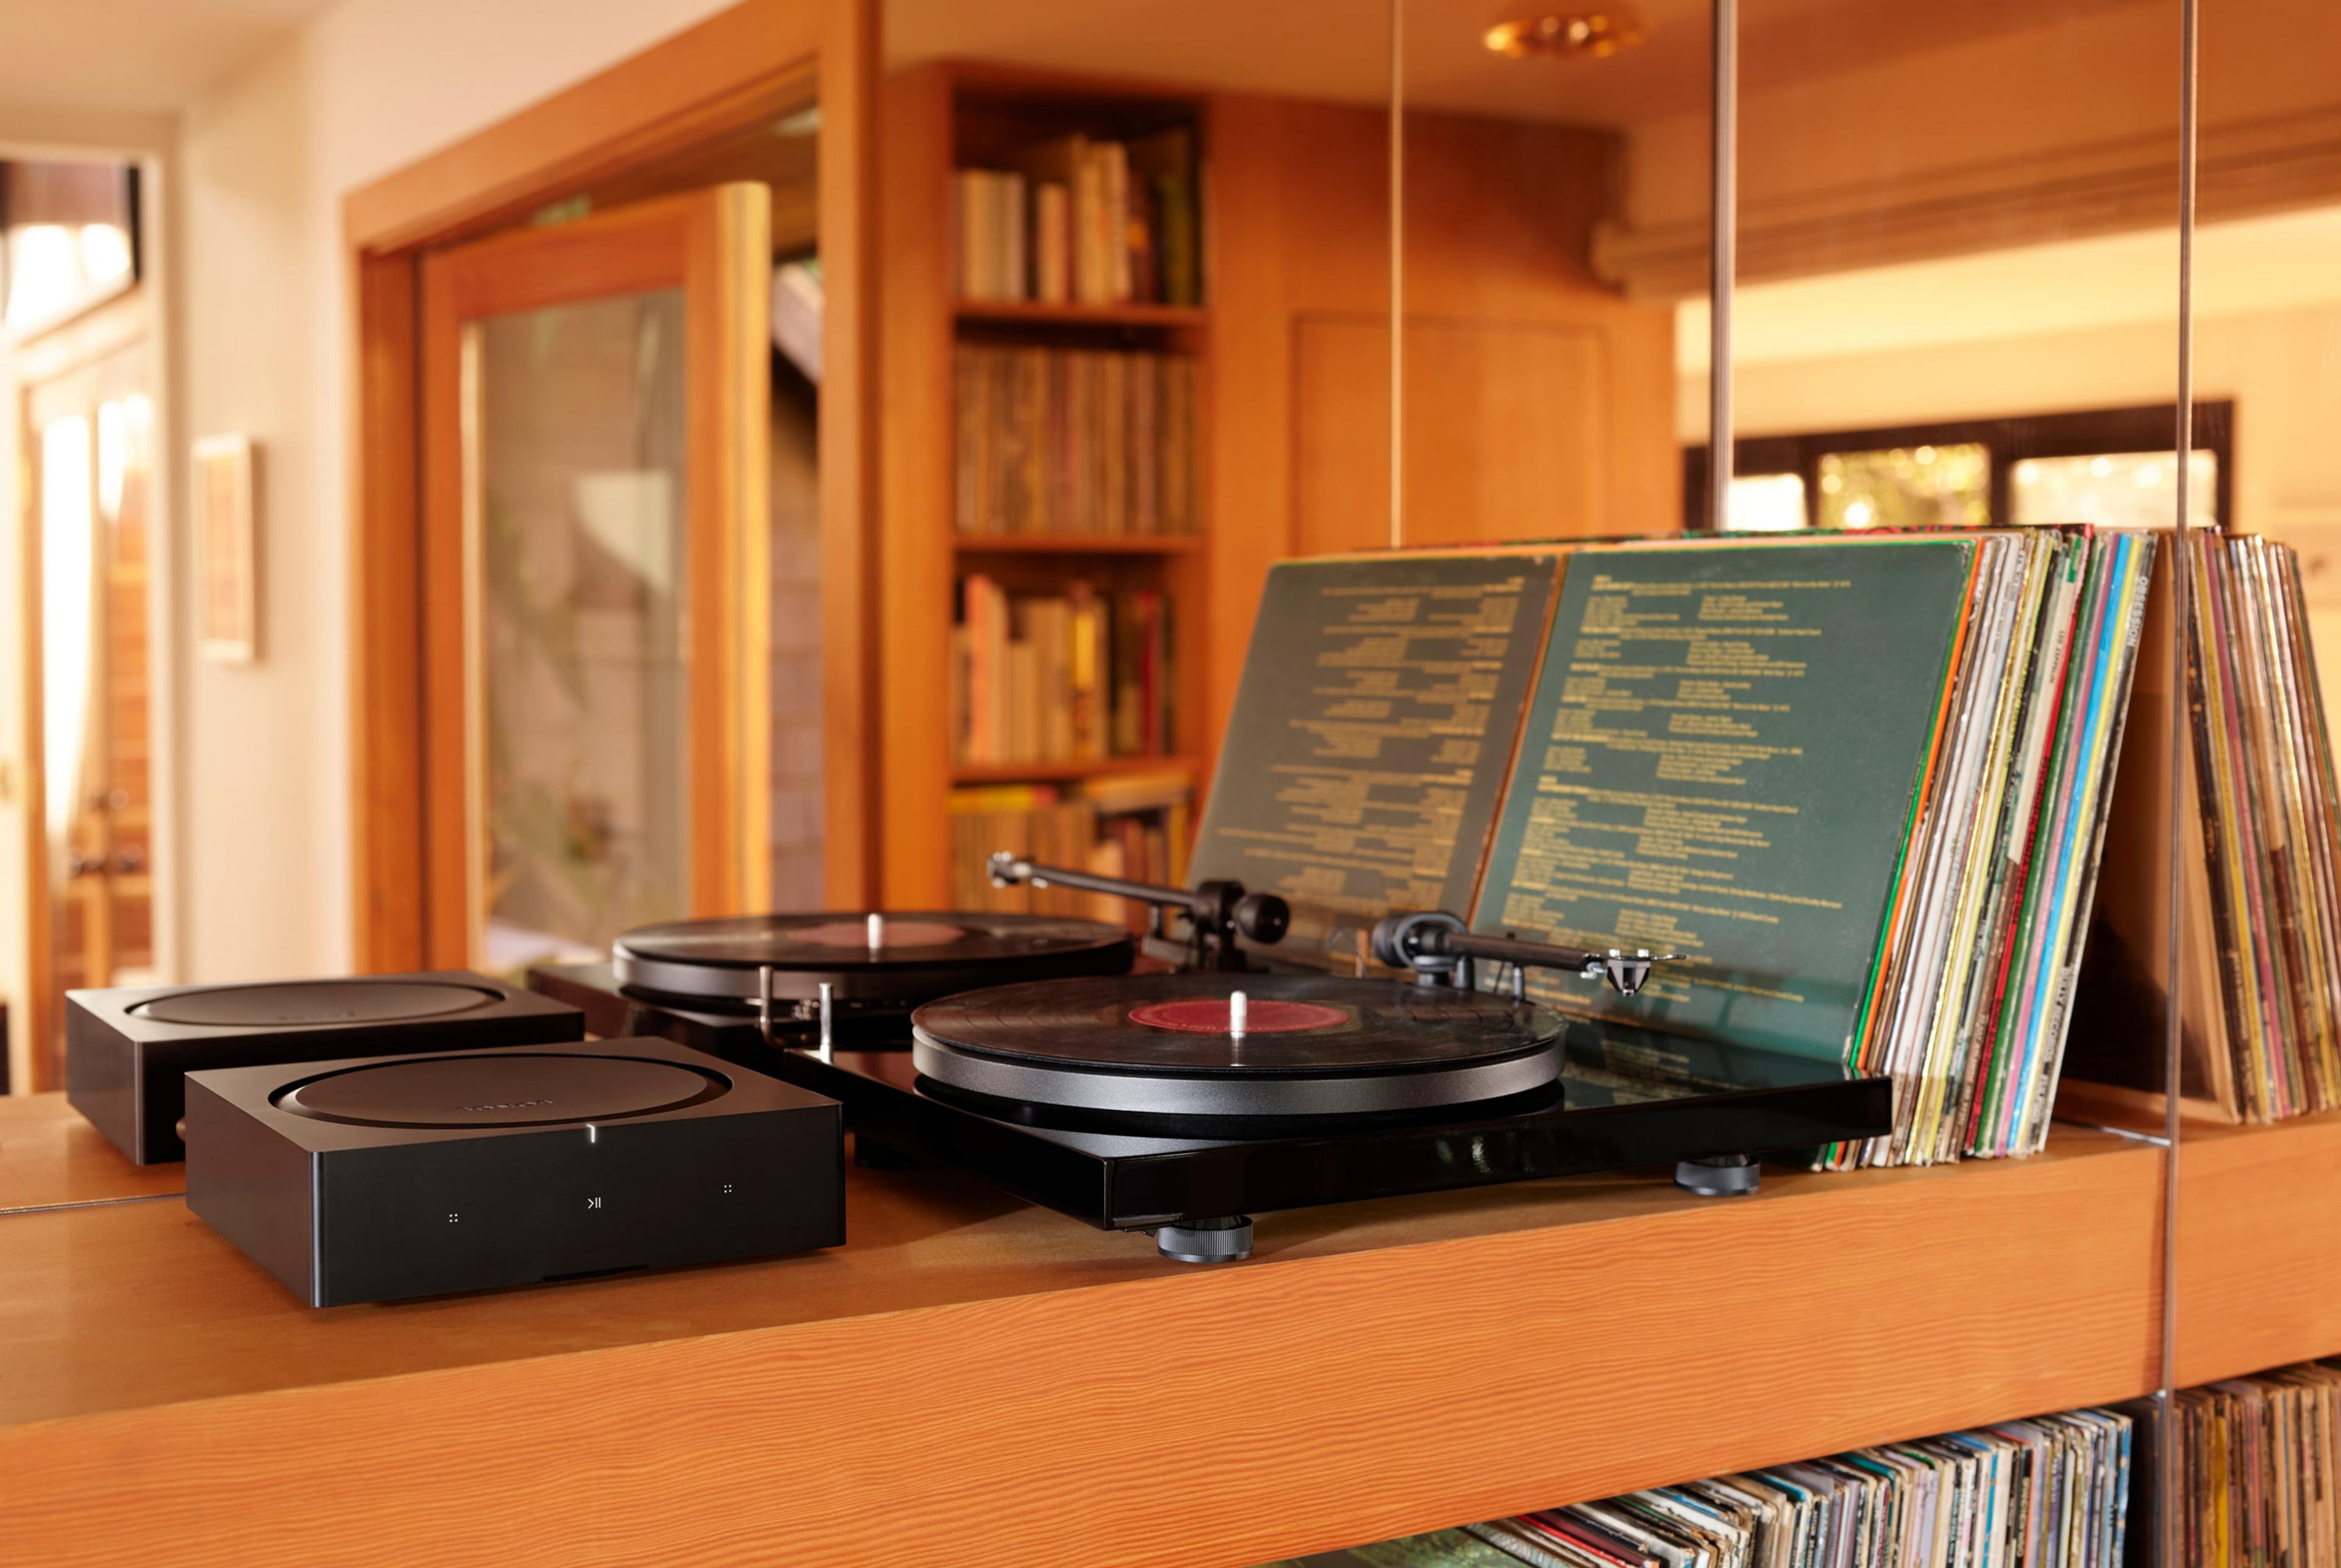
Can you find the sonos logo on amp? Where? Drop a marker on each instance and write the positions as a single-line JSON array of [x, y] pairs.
[[505, 1105]]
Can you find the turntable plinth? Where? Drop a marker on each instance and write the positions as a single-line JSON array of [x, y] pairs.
[[971, 1369]]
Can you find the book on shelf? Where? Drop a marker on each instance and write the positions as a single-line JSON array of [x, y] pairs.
[[1858, 782], [1133, 826], [1081, 221], [1057, 441], [2062, 1490], [1078, 677]]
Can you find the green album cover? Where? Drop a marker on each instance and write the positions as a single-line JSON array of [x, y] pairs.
[[1380, 701], [1719, 760]]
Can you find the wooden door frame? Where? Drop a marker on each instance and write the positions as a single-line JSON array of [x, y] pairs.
[[119, 323], [742, 64], [699, 244]]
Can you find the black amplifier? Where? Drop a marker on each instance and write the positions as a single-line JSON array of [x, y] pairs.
[[127, 1048], [373, 1179]]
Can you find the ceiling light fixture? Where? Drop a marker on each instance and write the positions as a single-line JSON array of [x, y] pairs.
[[1587, 34]]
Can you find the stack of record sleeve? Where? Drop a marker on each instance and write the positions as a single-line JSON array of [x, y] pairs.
[[2053, 1492], [1971, 998], [2256, 1469], [2268, 804], [2254, 821]]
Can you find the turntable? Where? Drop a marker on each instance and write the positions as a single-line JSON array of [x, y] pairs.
[[1180, 1104], [733, 986]]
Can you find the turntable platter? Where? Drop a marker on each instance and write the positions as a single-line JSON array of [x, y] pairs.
[[1163, 1044], [894, 959]]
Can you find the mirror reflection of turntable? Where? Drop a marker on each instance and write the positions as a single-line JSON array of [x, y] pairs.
[[1024, 1049]]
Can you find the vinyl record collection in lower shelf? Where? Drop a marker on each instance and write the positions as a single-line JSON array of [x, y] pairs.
[[2052, 1492]]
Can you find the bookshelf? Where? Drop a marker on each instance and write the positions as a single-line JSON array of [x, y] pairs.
[[944, 119]]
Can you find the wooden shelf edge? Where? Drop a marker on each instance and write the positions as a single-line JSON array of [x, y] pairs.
[[1039, 313], [1050, 772], [2258, 1253], [1077, 544], [1479, 1353]]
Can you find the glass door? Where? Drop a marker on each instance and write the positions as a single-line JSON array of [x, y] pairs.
[[596, 412]]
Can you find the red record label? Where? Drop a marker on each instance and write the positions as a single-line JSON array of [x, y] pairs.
[[891, 933], [1262, 1016]]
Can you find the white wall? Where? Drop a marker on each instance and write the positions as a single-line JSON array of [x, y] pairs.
[[268, 157]]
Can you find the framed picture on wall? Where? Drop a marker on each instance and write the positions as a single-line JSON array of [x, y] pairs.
[[227, 615]]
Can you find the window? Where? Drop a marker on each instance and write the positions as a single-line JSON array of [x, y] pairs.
[[2110, 465]]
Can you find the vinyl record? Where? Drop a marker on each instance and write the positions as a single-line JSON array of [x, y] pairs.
[[1161, 1043], [916, 956]]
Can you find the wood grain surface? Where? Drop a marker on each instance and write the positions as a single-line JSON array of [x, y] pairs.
[[50, 1157], [2259, 1252], [972, 1380]]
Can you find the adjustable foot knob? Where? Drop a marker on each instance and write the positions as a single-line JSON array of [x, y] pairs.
[[1221, 1241], [1723, 1176]]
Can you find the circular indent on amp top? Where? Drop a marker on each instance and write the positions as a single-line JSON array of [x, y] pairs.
[[500, 1089], [314, 1004]]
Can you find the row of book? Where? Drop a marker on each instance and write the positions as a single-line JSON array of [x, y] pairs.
[[2052, 1492], [2256, 1460], [1133, 826], [1058, 441], [1079, 676], [1083, 221]]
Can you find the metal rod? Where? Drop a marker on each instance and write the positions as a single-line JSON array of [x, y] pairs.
[[1397, 272], [1723, 265], [2181, 613]]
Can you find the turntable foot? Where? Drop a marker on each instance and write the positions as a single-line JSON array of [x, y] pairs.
[[1723, 1176], [1221, 1241]]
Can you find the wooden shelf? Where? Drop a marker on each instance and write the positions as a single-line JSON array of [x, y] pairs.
[[1044, 773], [1034, 311], [1078, 545], [1008, 1375], [2259, 1254]]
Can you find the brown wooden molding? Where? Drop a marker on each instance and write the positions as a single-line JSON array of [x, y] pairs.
[[757, 57], [2106, 187]]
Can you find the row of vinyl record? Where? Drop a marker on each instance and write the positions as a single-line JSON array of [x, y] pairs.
[[2269, 817], [2260, 820], [1971, 998], [2257, 1470], [1133, 826], [2052, 1492], [1073, 677], [1863, 786], [1058, 441], [1083, 221]]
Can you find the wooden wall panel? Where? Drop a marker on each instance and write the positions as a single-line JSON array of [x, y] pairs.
[[1541, 403], [1507, 433]]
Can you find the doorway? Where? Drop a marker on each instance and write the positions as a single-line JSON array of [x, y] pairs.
[[90, 536]]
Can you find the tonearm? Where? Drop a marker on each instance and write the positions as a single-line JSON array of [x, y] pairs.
[[1217, 912], [1441, 950]]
